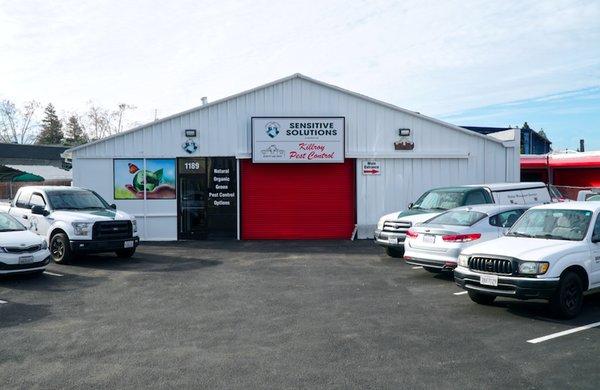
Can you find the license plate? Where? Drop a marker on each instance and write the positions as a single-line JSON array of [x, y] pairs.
[[25, 259], [489, 280], [393, 240], [128, 244], [429, 238]]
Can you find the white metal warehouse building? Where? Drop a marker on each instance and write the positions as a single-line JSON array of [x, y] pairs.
[[293, 159]]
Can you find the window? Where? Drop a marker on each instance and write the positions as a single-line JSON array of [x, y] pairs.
[[22, 200], [475, 197], [553, 224], [506, 219], [596, 233], [37, 200]]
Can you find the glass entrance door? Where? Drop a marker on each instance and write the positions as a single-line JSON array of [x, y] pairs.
[[192, 198]]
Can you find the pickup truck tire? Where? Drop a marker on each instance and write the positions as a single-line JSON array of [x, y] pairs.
[[482, 299], [394, 252], [60, 249], [125, 253], [568, 298]]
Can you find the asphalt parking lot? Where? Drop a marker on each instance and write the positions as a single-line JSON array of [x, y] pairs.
[[277, 315]]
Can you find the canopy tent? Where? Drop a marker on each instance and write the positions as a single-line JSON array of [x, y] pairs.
[[46, 172], [9, 174]]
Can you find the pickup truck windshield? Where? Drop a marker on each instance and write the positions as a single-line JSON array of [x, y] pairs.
[[553, 224], [9, 224], [440, 200], [75, 200]]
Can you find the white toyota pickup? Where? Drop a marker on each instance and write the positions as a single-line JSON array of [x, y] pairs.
[[74, 220], [552, 252]]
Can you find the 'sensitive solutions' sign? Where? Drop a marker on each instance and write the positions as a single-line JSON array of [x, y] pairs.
[[298, 140]]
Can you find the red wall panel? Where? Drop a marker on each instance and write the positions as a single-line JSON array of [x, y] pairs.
[[578, 177], [297, 201]]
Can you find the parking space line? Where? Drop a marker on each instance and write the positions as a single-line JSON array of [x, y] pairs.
[[417, 267], [1, 301], [563, 333], [461, 293], [52, 273]]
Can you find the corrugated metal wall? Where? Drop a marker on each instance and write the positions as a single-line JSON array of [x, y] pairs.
[[443, 155]]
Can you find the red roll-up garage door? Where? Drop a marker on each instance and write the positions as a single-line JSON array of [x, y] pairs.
[[297, 201]]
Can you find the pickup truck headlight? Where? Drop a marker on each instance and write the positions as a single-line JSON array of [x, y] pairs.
[[463, 261], [533, 267], [134, 225], [81, 228], [380, 223]]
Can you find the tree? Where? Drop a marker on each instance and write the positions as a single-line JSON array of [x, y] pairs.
[[17, 126], [74, 134], [103, 122], [525, 126], [51, 133]]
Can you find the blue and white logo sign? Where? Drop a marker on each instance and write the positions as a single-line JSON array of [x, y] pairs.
[[190, 146], [272, 129]]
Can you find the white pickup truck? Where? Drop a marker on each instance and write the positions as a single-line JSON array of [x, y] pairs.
[[391, 228], [552, 252], [74, 220]]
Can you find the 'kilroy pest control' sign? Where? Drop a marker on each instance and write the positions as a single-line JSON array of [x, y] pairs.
[[298, 140]]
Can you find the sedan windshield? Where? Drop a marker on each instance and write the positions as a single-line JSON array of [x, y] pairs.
[[553, 224], [440, 200], [76, 200], [458, 218], [9, 224]]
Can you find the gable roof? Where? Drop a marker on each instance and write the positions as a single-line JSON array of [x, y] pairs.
[[279, 81]]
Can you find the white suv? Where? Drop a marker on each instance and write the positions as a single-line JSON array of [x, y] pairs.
[[552, 252]]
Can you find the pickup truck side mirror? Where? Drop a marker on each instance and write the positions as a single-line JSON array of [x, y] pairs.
[[39, 210], [113, 206], [410, 205]]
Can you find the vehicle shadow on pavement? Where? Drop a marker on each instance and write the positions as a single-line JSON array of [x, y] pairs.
[[35, 282], [15, 314], [540, 310], [269, 246], [144, 262]]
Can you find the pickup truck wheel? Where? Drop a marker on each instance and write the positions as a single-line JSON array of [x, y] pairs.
[[125, 253], [482, 299], [568, 298], [60, 248], [394, 252]]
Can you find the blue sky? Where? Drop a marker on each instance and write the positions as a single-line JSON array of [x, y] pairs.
[[565, 117], [477, 62]]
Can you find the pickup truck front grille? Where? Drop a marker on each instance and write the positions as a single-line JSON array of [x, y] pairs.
[[29, 249], [491, 265], [396, 226], [112, 230]]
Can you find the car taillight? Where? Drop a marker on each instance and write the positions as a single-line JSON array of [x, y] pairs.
[[412, 234], [461, 237]]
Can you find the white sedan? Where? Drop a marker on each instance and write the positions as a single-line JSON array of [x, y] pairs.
[[21, 250], [436, 244]]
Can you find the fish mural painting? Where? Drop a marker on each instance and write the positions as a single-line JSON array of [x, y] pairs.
[[132, 180]]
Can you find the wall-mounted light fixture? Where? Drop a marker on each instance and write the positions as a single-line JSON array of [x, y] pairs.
[[190, 133], [404, 132]]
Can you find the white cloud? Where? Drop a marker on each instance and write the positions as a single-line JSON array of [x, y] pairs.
[[430, 56]]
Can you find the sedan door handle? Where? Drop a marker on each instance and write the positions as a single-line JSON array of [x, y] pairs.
[[25, 217]]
